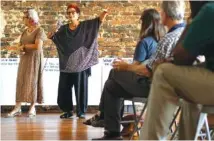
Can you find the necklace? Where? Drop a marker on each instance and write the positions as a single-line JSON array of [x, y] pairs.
[[31, 30]]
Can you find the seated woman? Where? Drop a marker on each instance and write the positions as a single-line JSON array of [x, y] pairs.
[[151, 32]]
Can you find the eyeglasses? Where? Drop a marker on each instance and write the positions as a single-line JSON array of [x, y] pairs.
[[71, 12]]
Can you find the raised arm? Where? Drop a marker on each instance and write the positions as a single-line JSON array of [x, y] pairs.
[[103, 15]]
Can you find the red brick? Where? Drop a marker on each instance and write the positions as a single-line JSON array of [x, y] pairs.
[[119, 32]]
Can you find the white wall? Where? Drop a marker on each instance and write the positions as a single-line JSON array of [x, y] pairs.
[[8, 74]]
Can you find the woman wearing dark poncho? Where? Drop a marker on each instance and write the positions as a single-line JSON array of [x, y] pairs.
[[77, 47]]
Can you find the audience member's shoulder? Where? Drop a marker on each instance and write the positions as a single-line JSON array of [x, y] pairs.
[[176, 32], [206, 11], [172, 36], [167, 38], [209, 7], [148, 39]]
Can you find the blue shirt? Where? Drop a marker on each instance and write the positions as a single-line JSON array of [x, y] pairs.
[[144, 49]]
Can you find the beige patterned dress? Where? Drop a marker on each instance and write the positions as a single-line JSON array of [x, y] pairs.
[[29, 79]]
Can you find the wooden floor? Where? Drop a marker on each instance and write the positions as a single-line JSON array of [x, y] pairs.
[[47, 127], [50, 127]]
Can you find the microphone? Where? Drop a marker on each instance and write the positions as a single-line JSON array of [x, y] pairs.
[[55, 27], [59, 24]]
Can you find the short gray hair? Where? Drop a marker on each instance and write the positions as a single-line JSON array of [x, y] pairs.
[[174, 9], [33, 15]]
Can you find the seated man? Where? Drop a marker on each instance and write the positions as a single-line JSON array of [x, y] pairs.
[[182, 80], [116, 87]]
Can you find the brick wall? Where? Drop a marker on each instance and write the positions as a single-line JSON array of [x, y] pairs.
[[118, 34]]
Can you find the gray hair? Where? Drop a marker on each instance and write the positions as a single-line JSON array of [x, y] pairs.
[[33, 15], [174, 9]]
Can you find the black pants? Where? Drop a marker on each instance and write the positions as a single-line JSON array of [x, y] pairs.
[[80, 82], [119, 85]]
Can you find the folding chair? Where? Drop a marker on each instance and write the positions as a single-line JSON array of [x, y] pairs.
[[136, 120], [201, 123], [170, 127], [212, 133], [174, 123]]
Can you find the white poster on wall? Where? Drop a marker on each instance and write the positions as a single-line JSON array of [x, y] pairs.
[[8, 75]]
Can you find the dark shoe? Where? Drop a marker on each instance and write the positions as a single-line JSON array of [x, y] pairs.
[[110, 136], [81, 116], [89, 121], [98, 123], [66, 115]]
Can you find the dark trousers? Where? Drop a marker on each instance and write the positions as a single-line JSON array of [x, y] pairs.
[[120, 85], [80, 82]]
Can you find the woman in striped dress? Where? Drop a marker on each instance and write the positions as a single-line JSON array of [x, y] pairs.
[[29, 77]]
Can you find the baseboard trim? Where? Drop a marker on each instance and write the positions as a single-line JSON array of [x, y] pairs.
[[44, 108], [56, 109]]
